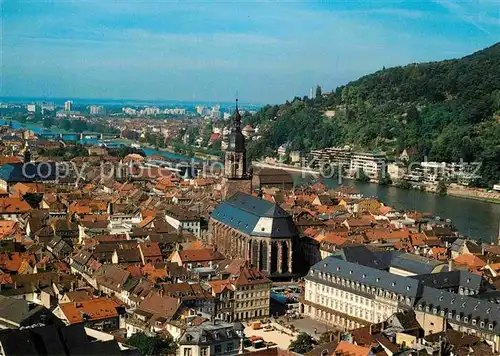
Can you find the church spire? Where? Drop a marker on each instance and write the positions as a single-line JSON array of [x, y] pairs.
[[237, 118]]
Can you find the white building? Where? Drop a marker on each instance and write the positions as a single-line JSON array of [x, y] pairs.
[[396, 170], [373, 164], [31, 107], [129, 111], [185, 220], [211, 338], [67, 105], [215, 112], [96, 110]]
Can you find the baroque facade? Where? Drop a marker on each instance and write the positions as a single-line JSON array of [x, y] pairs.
[[357, 287]]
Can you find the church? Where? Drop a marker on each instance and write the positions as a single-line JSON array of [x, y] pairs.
[[248, 227], [254, 229]]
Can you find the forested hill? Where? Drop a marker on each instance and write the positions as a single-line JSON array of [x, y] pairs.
[[447, 110]]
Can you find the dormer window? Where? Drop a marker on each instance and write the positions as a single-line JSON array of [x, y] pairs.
[[482, 324], [450, 315], [434, 310], [474, 321], [466, 319], [490, 326], [458, 317]]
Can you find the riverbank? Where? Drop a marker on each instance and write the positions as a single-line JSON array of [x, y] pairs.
[[285, 167], [476, 194], [454, 190]]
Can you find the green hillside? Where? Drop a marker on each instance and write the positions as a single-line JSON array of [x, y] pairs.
[[447, 110]]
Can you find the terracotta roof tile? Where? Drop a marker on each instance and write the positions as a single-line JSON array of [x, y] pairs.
[[94, 309]]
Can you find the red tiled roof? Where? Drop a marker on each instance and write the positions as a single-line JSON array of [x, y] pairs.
[[472, 261], [199, 255], [94, 309]]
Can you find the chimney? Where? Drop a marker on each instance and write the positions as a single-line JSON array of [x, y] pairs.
[[450, 265]]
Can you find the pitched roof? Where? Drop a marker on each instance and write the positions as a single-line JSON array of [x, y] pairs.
[[250, 275], [150, 249], [470, 260], [255, 216], [335, 266], [200, 255], [13, 206], [345, 348], [93, 309]]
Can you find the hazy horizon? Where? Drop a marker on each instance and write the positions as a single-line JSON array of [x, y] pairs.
[[207, 51]]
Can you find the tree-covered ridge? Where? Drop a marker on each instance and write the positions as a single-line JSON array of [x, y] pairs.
[[447, 110]]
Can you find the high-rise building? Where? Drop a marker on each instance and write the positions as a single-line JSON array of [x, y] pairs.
[[96, 109], [199, 110], [67, 105], [31, 107], [216, 112]]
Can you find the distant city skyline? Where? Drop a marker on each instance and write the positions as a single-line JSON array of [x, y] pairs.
[[206, 52]]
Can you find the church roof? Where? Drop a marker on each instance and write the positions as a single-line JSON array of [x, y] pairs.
[[254, 216]]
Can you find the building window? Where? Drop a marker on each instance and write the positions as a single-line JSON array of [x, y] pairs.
[[204, 351], [188, 351], [218, 349], [229, 347]]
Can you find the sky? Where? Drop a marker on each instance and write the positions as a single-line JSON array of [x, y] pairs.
[[266, 51]]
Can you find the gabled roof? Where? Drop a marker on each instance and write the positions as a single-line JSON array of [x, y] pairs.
[[91, 310], [254, 216]]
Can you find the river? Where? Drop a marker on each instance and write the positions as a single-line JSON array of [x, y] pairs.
[[37, 129], [473, 218]]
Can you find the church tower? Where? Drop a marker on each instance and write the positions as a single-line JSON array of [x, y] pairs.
[[235, 165], [236, 178]]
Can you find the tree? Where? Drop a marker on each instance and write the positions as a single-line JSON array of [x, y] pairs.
[[303, 343], [48, 122], [152, 345], [318, 92], [361, 176], [441, 188]]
